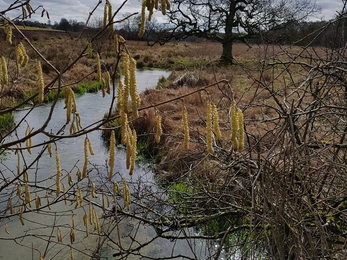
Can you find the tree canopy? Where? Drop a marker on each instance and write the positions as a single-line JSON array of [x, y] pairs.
[[227, 21]]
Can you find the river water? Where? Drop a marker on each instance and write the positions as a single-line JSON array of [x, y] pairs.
[[91, 106]]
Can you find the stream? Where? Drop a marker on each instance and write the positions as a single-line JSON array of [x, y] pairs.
[[91, 106]]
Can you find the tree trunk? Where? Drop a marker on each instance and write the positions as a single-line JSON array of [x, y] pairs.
[[227, 43], [227, 55]]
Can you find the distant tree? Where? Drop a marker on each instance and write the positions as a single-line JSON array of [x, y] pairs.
[[64, 24], [227, 21]]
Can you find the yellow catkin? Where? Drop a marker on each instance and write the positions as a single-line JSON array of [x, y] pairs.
[[115, 192], [21, 215], [124, 132], [135, 98], [241, 141], [112, 155], [159, 130], [22, 57], [72, 236], [49, 148], [90, 50], [73, 128], [25, 177], [163, 6], [6, 229], [98, 68], [19, 192], [143, 19], [8, 32], [58, 175], [120, 94], [93, 191], [216, 128], [185, 128], [85, 222], [108, 82], [4, 72], [27, 195], [41, 257], [110, 19], [85, 165], [69, 179], [133, 152], [128, 148], [77, 194], [79, 175], [126, 195], [29, 9], [11, 206], [209, 137], [126, 68], [64, 193], [168, 5], [105, 14], [28, 140], [78, 120], [234, 124], [40, 82], [37, 202], [107, 201], [90, 213], [59, 236], [97, 224], [80, 197], [68, 104], [48, 202], [103, 87]]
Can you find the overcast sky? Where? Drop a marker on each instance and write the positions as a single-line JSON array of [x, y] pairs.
[[79, 9]]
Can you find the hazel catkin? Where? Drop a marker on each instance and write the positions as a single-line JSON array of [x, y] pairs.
[[112, 155], [241, 141], [40, 82], [216, 129], [85, 165], [28, 141], [98, 68], [159, 130], [133, 151]]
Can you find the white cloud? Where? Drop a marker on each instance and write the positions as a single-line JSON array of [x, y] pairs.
[[72, 9], [330, 8]]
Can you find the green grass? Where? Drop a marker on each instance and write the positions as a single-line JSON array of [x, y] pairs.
[[6, 121]]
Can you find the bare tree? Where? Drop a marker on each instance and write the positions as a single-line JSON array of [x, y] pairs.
[[227, 21]]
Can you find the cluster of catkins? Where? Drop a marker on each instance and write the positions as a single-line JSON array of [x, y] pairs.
[[150, 6], [213, 130]]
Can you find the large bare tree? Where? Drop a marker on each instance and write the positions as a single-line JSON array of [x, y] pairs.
[[227, 21]]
